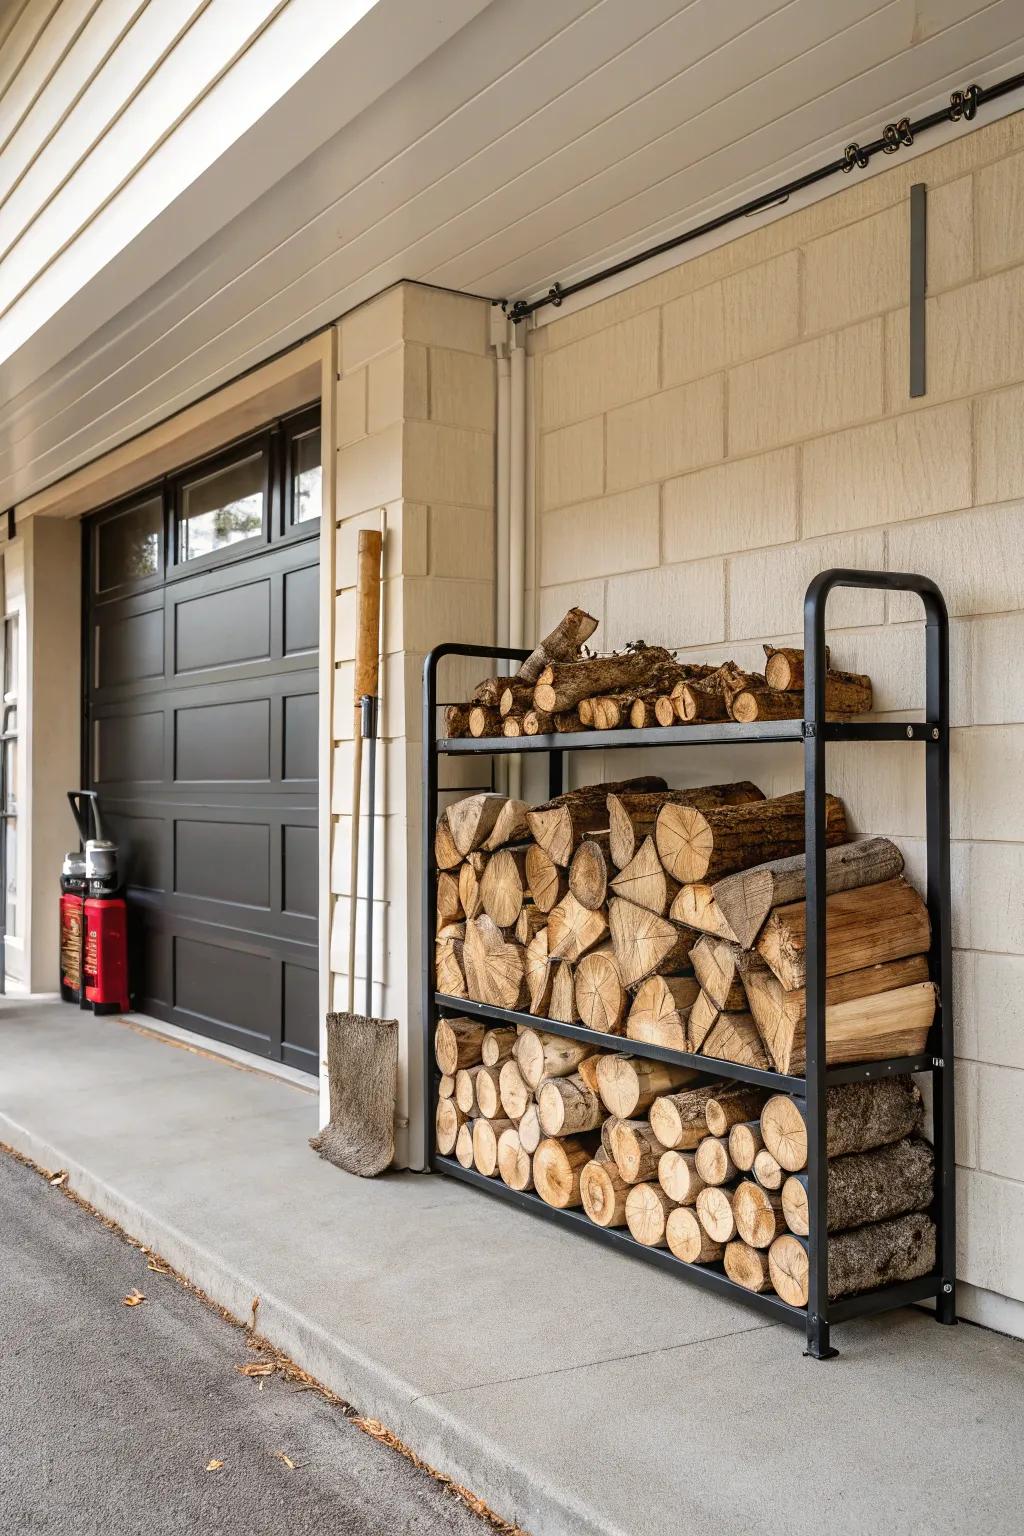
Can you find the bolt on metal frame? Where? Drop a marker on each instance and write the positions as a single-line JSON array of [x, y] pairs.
[[815, 732]]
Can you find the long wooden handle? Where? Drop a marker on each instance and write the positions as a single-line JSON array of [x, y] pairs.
[[367, 613]]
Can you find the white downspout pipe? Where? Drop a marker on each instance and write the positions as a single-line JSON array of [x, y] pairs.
[[517, 516]]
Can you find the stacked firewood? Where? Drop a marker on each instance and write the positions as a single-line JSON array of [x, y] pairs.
[[712, 1170], [559, 689]]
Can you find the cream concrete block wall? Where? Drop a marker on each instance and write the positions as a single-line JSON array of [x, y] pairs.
[[415, 421], [709, 439]]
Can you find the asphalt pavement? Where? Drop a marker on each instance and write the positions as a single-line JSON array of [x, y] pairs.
[[112, 1416]]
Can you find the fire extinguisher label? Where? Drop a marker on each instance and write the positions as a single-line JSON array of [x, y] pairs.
[[71, 948]]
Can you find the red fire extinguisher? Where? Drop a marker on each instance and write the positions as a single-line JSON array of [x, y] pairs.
[[103, 978]]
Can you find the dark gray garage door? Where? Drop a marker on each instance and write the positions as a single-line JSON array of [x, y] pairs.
[[201, 703]]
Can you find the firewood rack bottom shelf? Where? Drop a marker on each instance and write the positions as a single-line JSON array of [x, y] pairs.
[[815, 733]]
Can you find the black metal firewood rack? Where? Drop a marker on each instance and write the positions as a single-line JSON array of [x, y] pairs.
[[815, 732]]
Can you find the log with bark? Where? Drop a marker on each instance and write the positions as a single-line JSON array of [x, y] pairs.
[[645, 944], [557, 1165], [745, 1142], [547, 882], [734, 1037], [647, 1211], [846, 694], [588, 872], [864, 926], [486, 1085], [484, 721], [470, 872], [448, 969], [767, 1170], [448, 902], [530, 922], [603, 1191], [688, 1240], [515, 1165], [867, 1186], [564, 643], [601, 998], [503, 886], [529, 1130], [458, 1043], [747, 1266], [446, 854], [630, 1084], [644, 880], [746, 898], [678, 1177], [567, 1107], [784, 666], [679, 1120], [859, 1116], [633, 813], [538, 973], [540, 1055], [884, 1253], [702, 1020], [634, 1148], [510, 826], [642, 670], [485, 1144], [713, 1162], [516, 697], [735, 1103], [562, 1002], [574, 929], [496, 1046], [714, 1212], [446, 1086], [473, 819], [561, 824], [661, 1007], [495, 967], [878, 1012], [456, 720], [704, 845], [447, 1121], [695, 906], [515, 1092], [464, 1144], [757, 1213], [715, 966], [707, 698]]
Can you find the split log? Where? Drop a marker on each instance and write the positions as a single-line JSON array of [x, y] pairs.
[[747, 1266], [537, 723], [557, 1165], [634, 1148], [630, 1084], [645, 944], [512, 725], [603, 1191], [485, 1144], [884, 1253], [877, 1012], [767, 1170], [446, 1086], [529, 1130], [644, 880], [859, 1116], [611, 711], [574, 929], [633, 813], [504, 886], [515, 1165], [601, 999], [660, 1010], [529, 923], [714, 1212], [680, 1119], [486, 1086], [678, 1177], [647, 1211], [567, 1107], [746, 898], [737, 1102], [470, 872], [495, 968], [734, 1037], [588, 872], [715, 966], [510, 826], [562, 1003], [539, 1056], [456, 720], [695, 905], [560, 825], [496, 1046], [650, 709], [713, 1162], [864, 926], [867, 1186], [563, 685], [688, 1240], [473, 819], [548, 884], [784, 666], [704, 845], [484, 721], [757, 1213], [513, 1089], [458, 1043], [564, 643], [538, 973], [745, 1142], [585, 713], [587, 1070], [707, 698], [449, 904], [447, 1121], [448, 971], [516, 697], [464, 1144], [488, 692], [446, 854]]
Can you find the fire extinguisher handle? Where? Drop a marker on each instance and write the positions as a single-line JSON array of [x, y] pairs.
[[85, 809]]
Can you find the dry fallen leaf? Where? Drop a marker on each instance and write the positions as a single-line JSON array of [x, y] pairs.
[[214, 1466], [256, 1368], [133, 1299], [59, 1178], [157, 1267], [286, 1459], [255, 1309]]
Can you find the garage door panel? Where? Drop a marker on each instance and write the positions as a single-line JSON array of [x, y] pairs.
[[144, 846], [301, 1042], [214, 742], [223, 628], [129, 748], [301, 610], [229, 987], [223, 861], [299, 870], [299, 733], [129, 647]]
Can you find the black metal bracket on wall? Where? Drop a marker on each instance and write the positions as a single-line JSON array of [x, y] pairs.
[[918, 285], [815, 732]]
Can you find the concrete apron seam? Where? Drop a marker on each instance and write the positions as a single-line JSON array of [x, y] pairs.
[[438, 1436]]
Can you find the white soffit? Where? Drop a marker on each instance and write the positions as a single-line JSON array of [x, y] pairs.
[[487, 148]]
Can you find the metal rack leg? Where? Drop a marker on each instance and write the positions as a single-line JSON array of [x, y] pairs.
[[818, 1345]]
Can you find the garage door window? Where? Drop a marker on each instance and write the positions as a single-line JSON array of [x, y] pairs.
[[128, 546], [305, 476], [222, 509]]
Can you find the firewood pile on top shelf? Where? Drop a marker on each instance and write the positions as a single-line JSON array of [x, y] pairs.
[[676, 917], [562, 688]]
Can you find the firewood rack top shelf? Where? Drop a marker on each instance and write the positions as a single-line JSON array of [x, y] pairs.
[[815, 732]]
